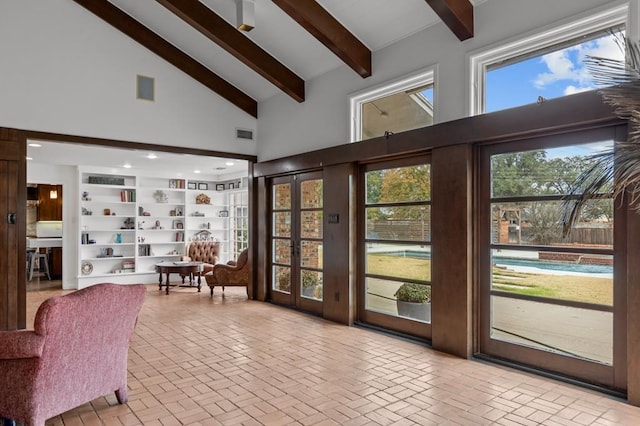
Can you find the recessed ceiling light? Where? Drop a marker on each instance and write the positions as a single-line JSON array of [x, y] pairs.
[[152, 156], [127, 166], [196, 171], [229, 163], [35, 145]]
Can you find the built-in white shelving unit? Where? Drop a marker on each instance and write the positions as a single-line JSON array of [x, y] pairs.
[[129, 223]]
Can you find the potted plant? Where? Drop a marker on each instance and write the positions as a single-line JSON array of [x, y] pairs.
[[309, 283], [414, 301]]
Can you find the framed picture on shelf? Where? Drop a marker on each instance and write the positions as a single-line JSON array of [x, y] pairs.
[[191, 185], [232, 185], [203, 186], [223, 213], [178, 224], [220, 187]]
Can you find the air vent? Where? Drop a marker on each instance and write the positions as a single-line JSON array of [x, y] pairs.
[[145, 88], [244, 134]]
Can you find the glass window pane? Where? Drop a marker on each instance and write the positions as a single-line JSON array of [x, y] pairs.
[[400, 261], [281, 279], [541, 172], [282, 196], [402, 184], [538, 223], [282, 224], [569, 331], [282, 251], [311, 224], [399, 223], [550, 74], [311, 255], [311, 194], [405, 110], [407, 300], [578, 277], [311, 283]]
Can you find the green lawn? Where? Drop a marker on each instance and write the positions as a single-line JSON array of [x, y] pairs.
[[581, 289]]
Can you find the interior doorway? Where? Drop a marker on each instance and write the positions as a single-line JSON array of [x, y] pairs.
[[44, 219]]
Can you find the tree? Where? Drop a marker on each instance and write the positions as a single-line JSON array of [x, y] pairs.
[[406, 184]]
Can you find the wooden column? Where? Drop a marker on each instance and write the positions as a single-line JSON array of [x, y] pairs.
[[260, 238], [338, 245], [633, 308], [451, 312], [13, 236]]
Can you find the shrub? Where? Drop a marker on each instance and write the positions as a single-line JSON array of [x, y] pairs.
[[416, 293], [309, 279]]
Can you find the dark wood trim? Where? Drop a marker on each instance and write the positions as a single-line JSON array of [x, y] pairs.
[[218, 30], [112, 15], [456, 14], [331, 33], [115, 143], [13, 237], [260, 236], [563, 115]]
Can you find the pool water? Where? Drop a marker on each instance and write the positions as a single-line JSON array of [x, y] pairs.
[[507, 261], [555, 266]]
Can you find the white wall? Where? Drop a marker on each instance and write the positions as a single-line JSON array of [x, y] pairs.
[[287, 128], [64, 70]]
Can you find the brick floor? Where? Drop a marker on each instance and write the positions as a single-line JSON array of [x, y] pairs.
[[229, 361]]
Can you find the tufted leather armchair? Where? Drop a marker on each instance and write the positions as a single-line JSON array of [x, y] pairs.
[[203, 251], [234, 273]]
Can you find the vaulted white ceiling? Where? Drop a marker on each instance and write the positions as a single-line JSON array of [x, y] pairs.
[[375, 23]]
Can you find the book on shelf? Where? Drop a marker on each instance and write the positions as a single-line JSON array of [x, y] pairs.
[[128, 196], [144, 250]]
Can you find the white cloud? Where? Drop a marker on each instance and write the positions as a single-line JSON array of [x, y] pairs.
[[570, 89], [560, 67], [567, 64]]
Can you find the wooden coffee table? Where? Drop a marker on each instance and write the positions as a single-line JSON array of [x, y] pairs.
[[184, 268]]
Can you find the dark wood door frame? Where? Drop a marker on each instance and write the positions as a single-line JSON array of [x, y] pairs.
[[13, 147], [13, 236]]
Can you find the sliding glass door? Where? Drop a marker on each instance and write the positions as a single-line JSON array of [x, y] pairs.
[[550, 300]]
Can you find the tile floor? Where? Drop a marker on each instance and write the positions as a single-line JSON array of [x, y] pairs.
[[229, 361]]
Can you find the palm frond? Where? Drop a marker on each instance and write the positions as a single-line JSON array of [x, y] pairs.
[[616, 171]]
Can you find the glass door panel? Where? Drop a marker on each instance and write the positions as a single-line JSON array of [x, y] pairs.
[[396, 272], [282, 243], [297, 233], [547, 299], [311, 220]]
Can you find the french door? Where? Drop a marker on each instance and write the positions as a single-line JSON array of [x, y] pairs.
[[296, 241], [547, 300]]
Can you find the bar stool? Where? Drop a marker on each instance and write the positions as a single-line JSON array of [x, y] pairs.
[[42, 260]]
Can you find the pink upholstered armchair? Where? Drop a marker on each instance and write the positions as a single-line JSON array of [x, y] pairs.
[[77, 352]]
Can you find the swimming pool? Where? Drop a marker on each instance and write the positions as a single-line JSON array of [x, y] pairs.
[[555, 266], [582, 268]]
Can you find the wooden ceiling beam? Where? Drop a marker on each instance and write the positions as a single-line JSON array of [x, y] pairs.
[[229, 38], [144, 36], [456, 14], [324, 27]]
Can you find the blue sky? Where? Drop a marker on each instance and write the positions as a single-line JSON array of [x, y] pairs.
[[552, 75]]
